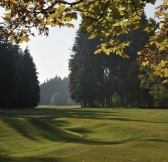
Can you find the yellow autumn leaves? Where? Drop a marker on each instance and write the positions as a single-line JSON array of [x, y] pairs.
[[105, 19]]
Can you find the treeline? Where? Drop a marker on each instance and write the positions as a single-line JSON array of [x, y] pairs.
[[55, 91], [19, 85], [108, 81]]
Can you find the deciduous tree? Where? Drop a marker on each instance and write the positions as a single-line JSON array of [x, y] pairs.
[[105, 19], [100, 19]]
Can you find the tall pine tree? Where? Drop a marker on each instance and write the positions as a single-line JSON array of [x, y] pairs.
[[106, 81], [30, 83], [19, 86]]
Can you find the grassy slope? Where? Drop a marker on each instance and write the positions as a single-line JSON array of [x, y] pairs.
[[86, 135]]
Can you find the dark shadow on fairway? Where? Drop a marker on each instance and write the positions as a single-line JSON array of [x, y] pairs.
[[80, 130], [81, 113], [66, 113], [49, 129], [19, 126], [5, 158], [41, 129], [59, 123], [155, 140], [29, 159], [100, 142], [132, 120], [91, 114], [49, 159], [53, 133]]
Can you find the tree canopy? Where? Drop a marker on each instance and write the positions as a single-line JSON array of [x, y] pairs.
[[155, 53], [108, 81], [100, 18], [106, 19]]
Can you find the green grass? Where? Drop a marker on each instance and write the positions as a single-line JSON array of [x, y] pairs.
[[84, 135]]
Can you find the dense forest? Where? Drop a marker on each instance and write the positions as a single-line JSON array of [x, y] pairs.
[[55, 92], [108, 81], [94, 80], [19, 85]]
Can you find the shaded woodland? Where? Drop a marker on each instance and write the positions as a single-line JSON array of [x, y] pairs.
[[109, 81], [94, 80], [19, 85]]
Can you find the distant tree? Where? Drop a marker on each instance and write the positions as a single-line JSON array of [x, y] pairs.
[[54, 99], [54, 86], [57, 99]]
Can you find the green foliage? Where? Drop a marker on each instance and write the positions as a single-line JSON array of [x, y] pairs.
[[55, 91], [95, 79], [154, 60], [57, 99], [19, 86], [30, 83], [155, 53], [73, 134], [100, 19], [154, 84], [105, 19]]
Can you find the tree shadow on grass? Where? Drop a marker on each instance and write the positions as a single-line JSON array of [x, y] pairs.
[[99, 114], [91, 114], [134, 120], [20, 126], [155, 140], [5, 158], [53, 133], [48, 131], [80, 130], [66, 113], [78, 113], [29, 159], [37, 128], [52, 130]]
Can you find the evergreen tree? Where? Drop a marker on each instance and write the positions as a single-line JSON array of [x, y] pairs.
[[18, 84], [106, 81], [55, 91], [10, 57], [30, 83]]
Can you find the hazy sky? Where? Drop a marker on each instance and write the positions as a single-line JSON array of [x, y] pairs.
[[51, 54]]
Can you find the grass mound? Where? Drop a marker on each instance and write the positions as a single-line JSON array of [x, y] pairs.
[[91, 135]]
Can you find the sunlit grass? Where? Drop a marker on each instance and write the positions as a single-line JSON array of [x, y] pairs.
[[73, 134]]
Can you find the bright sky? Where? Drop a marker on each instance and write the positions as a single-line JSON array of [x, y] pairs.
[[51, 54]]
